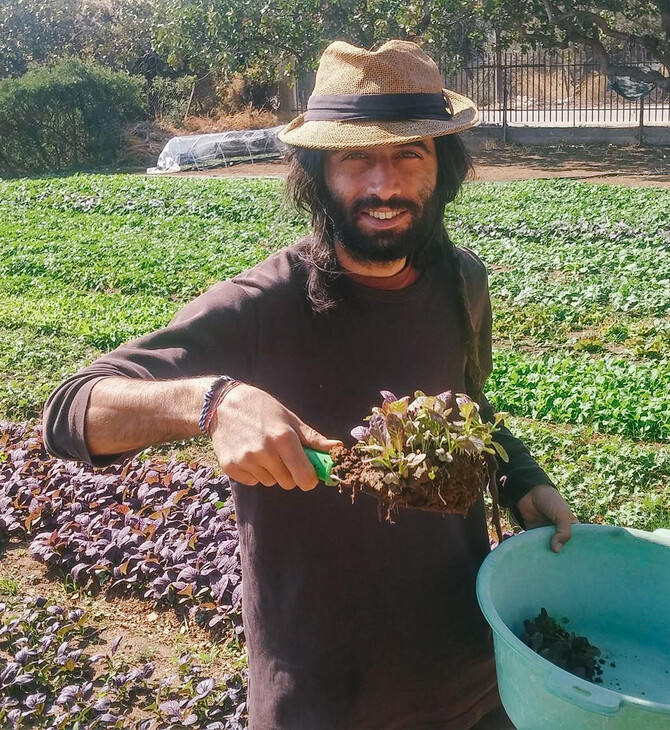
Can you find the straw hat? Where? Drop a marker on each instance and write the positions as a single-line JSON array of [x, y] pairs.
[[390, 96]]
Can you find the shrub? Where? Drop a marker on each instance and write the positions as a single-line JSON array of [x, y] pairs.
[[65, 115], [169, 99]]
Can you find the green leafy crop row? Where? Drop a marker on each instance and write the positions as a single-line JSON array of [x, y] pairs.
[[579, 276], [610, 394], [605, 479], [567, 255]]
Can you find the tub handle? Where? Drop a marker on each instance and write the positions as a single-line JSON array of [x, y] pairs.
[[584, 694]]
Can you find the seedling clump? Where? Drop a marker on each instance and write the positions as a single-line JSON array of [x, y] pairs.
[[575, 654], [431, 453]]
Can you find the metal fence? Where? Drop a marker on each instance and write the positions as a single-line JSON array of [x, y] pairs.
[[555, 88], [545, 88]]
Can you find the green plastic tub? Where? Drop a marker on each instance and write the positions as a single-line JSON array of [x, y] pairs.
[[613, 584]]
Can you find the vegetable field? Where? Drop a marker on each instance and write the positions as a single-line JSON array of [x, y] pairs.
[[580, 283]]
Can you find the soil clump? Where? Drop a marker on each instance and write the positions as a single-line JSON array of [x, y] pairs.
[[455, 488]]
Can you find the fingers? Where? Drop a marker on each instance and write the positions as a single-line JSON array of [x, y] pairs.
[[240, 475], [564, 521], [261, 441], [282, 461], [311, 438], [561, 536], [263, 476], [256, 474], [274, 464], [296, 461], [543, 505]]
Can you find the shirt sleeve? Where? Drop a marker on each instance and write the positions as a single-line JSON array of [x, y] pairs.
[[212, 335], [521, 473]]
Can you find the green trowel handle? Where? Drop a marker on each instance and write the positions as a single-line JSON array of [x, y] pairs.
[[322, 464]]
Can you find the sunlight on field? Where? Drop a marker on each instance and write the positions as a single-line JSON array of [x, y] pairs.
[[580, 283], [579, 276]]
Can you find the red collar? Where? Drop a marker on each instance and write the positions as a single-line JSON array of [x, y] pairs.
[[407, 276]]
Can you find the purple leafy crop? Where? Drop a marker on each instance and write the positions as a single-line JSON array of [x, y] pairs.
[[49, 679], [146, 526]]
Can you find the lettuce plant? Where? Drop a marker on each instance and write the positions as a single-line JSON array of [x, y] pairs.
[[410, 440]]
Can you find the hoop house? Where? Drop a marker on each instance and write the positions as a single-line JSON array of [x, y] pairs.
[[200, 151]]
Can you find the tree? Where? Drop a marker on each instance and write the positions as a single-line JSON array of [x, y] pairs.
[[267, 38], [118, 33], [604, 26]]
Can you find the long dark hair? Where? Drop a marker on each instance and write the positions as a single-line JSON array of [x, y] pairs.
[[306, 190]]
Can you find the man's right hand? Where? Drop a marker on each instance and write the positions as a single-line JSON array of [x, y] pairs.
[[257, 439]]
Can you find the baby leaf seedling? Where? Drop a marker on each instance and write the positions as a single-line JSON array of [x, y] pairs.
[[430, 453]]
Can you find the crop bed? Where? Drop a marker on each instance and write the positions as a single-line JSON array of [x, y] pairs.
[[52, 678], [580, 283], [165, 530]]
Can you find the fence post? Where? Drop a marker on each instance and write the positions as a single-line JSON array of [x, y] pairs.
[[190, 101], [504, 109], [640, 131]]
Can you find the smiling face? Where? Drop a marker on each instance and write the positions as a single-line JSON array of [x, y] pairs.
[[382, 199]]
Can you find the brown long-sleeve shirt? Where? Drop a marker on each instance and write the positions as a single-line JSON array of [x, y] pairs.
[[351, 623]]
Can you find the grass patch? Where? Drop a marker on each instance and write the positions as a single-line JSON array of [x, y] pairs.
[[9, 586]]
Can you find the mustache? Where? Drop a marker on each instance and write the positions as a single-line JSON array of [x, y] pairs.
[[373, 201]]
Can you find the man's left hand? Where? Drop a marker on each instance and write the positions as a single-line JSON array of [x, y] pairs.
[[543, 505]]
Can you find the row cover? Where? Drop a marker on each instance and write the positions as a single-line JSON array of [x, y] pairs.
[[220, 148]]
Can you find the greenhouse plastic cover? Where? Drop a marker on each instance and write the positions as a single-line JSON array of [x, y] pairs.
[[220, 148]]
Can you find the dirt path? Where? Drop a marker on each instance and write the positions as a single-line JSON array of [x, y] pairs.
[[634, 166]]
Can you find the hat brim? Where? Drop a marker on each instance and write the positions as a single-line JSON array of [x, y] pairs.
[[335, 135]]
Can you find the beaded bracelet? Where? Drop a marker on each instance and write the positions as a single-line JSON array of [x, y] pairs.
[[213, 397]]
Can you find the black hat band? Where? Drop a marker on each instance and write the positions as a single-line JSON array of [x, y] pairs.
[[389, 107]]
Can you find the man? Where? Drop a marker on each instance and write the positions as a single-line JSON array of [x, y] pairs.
[[351, 623]]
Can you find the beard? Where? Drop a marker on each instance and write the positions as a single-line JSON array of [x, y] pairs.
[[384, 246]]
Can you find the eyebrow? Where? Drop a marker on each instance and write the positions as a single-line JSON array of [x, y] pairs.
[[419, 144]]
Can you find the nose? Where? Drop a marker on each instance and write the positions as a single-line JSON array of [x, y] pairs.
[[383, 180]]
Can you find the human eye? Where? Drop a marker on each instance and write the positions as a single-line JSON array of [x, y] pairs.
[[410, 154], [355, 155]]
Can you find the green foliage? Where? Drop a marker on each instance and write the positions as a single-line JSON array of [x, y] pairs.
[[89, 262], [611, 394], [65, 115], [34, 32], [168, 99], [9, 586], [117, 33], [266, 38], [612, 480], [567, 257], [604, 26], [412, 439]]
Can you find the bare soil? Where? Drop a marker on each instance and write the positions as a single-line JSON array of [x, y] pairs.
[[149, 633], [603, 164]]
